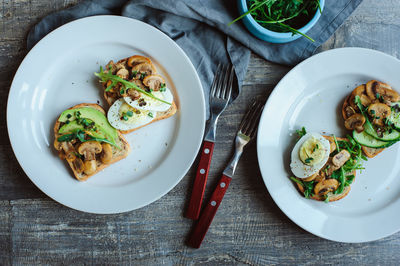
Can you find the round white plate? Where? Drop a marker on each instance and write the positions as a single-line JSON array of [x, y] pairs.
[[58, 73], [311, 95]]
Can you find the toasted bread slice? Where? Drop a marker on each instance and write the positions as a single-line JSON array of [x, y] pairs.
[[117, 154], [371, 152], [130, 63]]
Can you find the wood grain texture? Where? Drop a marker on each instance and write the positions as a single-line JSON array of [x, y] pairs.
[[248, 227]]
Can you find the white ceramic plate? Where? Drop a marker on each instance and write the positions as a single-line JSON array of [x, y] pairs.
[[311, 95], [58, 73]]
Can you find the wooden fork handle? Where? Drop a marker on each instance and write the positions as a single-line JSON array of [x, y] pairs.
[[200, 181], [201, 228]]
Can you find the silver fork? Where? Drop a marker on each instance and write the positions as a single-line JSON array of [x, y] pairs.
[[220, 94], [247, 131]]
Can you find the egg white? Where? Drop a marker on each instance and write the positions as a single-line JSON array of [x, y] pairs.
[[115, 113], [152, 104], [300, 169]]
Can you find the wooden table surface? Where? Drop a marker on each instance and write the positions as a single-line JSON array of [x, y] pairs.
[[248, 228]]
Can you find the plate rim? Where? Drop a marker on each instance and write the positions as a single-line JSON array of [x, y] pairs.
[[48, 37], [260, 129]]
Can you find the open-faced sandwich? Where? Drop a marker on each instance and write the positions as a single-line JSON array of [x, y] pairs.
[[325, 166], [85, 139], [372, 112], [137, 95]]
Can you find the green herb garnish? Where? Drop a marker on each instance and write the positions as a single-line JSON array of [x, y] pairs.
[[150, 114], [83, 137], [307, 186], [105, 77], [129, 113], [308, 160], [301, 133], [282, 15]]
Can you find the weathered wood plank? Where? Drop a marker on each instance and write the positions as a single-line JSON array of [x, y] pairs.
[[249, 233], [248, 229]]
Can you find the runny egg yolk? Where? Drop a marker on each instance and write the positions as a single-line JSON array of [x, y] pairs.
[[312, 151]]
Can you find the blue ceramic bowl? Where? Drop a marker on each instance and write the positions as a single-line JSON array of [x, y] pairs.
[[272, 36]]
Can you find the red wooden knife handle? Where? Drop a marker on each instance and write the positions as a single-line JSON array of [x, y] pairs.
[[201, 228], [200, 181]]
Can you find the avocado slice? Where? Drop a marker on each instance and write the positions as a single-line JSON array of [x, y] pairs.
[[94, 115], [74, 126]]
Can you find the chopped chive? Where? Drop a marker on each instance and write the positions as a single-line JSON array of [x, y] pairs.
[[150, 114], [129, 113], [308, 160]]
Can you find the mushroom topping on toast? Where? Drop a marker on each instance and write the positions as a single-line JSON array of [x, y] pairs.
[[371, 112], [85, 139], [134, 82], [332, 180]]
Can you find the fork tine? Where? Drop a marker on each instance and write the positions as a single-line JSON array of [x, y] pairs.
[[229, 85], [215, 81], [254, 123], [251, 118], [225, 83], [220, 82], [246, 117]]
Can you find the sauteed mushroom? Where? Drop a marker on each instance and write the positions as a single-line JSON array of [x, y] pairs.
[[326, 186], [154, 82], [310, 178], [378, 111], [106, 154], [89, 150], [143, 68], [137, 59], [356, 122], [377, 89], [123, 73], [341, 158], [77, 162], [359, 91]]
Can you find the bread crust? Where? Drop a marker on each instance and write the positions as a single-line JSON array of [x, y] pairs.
[[160, 115], [125, 147]]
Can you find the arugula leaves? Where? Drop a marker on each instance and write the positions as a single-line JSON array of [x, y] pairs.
[[282, 15], [105, 77]]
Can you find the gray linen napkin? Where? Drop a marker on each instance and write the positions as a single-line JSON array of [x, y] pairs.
[[200, 28]]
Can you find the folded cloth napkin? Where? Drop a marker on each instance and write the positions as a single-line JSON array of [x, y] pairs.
[[200, 28]]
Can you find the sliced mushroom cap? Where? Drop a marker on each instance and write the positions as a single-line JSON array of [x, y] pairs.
[[67, 147], [379, 111], [310, 178], [123, 73], [341, 158], [360, 92], [137, 59], [77, 163], [375, 88], [349, 111], [143, 68], [325, 186], [356, 122], [89, 149], [89, 167], [110, 66], [154, 82], [106, 154]]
